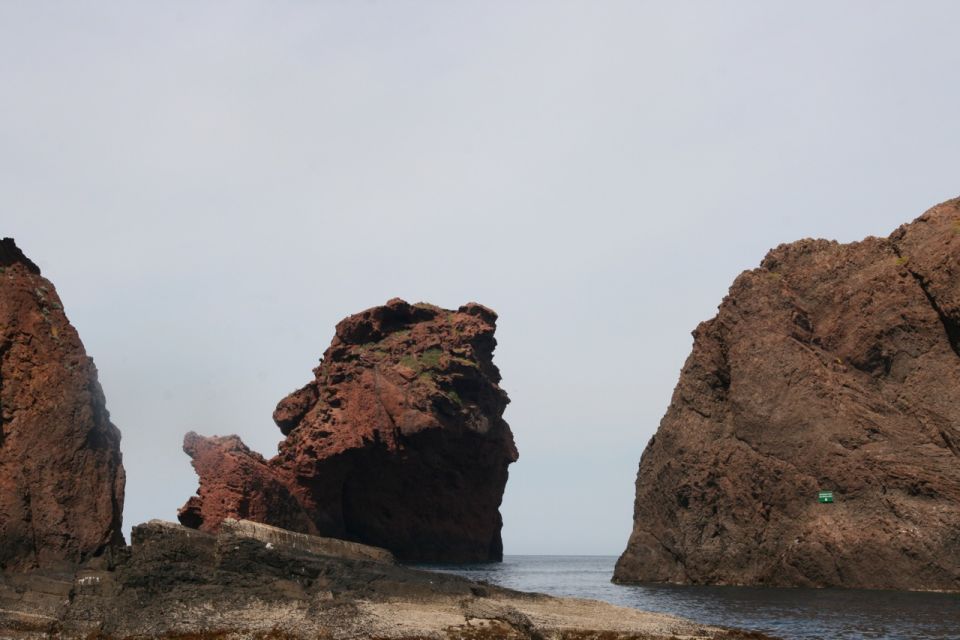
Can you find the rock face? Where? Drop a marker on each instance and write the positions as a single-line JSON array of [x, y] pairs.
[[61, 477], [397, 442], [831, 367]]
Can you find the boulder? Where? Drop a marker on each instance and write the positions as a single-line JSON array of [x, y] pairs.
[[830, 368], [61, 476]]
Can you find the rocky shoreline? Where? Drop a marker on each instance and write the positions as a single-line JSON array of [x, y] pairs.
[[399, 440], [829, 372], [254, 581]]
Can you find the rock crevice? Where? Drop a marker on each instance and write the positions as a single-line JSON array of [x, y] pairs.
[[950, 326]]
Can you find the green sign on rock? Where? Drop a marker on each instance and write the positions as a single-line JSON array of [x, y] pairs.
[[826, 496]]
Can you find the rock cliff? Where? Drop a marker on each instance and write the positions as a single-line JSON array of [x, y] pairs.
[[831, 367], [61, 477], [398, 441]]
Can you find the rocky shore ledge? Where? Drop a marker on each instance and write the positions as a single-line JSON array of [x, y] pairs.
[[255, 581]]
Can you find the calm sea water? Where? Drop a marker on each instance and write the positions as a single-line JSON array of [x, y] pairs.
[[792, 614]]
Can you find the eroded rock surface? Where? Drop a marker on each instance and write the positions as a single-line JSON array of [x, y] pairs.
[[61, 477], [398, 442], [830, 367]]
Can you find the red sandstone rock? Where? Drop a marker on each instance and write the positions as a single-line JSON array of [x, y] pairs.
[[830, 367], [241, 485], [398, 442], [61, 477]]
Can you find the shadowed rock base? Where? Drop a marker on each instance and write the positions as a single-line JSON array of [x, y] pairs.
[[176, 582]]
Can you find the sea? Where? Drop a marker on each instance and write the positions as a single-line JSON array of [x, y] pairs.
[[791, 614]]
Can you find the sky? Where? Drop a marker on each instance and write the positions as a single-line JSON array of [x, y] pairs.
[[211, 186]]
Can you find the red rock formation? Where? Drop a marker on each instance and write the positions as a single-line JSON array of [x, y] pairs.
[[830, 367], [397, 442], [61, 477], [241, 485]]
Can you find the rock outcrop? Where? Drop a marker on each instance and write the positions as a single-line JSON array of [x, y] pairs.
[[831, 367], [398, 442], [61, 477], [254, 582]]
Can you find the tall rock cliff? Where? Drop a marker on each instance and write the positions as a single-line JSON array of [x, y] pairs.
[[831, 367], [61, 477], [398, 442]]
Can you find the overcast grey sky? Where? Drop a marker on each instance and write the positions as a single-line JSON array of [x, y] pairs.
[[212, 186]]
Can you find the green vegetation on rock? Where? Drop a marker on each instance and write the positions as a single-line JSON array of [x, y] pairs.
[[431, 357]]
